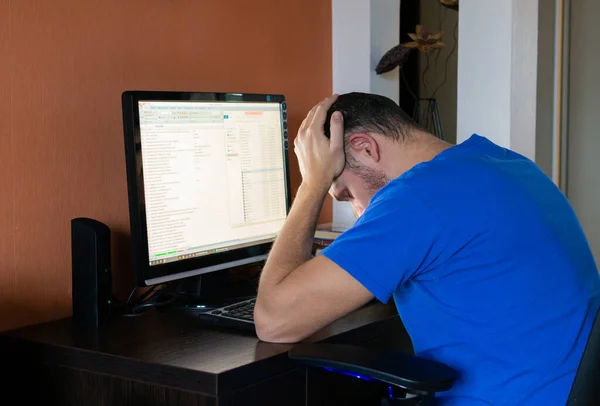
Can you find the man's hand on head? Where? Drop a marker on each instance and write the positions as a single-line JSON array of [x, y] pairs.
[[321, 160]]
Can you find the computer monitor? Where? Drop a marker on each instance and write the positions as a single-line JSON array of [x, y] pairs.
[[208, 180]]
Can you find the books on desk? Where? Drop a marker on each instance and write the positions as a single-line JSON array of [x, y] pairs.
[[325, 234]]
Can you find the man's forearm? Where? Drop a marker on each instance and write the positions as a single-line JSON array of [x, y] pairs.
[[294, 243]]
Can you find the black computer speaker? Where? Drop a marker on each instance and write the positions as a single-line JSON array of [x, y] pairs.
[[92, 281]]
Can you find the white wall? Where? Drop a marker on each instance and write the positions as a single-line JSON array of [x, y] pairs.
[[497, 71], [524, 58], [351, 45], [362, 31]]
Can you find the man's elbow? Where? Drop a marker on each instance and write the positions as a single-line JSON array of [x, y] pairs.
[[274, 328]]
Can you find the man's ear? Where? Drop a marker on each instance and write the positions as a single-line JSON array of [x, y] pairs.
[[364, 146]]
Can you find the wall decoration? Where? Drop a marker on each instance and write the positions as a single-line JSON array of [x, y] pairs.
[[426, 111]]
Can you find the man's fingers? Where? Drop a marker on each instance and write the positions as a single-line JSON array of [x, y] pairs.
[[309, 117], [303, 125], [336, 129], [320, 113]]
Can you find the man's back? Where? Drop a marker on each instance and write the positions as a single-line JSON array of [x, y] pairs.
[[489, 268]]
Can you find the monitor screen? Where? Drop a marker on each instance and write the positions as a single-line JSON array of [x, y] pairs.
[[211, 180]]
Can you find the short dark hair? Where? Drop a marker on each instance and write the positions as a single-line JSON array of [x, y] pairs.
[[371, 113]]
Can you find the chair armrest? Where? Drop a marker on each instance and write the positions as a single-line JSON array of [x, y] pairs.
[[395, 368]]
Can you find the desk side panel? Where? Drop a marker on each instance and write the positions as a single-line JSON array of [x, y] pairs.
[[287, 389], [44, 384], [24, 357]]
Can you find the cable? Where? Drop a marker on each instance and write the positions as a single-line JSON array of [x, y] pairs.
[[130, 296], [149, 292], [152, 303], [145, 300]]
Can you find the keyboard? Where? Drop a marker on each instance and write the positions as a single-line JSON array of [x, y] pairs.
[[238, 315]]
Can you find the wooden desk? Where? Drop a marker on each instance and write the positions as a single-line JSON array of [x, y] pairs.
[[172, 359]]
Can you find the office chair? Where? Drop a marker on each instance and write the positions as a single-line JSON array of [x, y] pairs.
[[411, 380], [585, 390], [415, 381]]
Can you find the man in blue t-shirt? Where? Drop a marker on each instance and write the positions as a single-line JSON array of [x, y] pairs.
[[485, 259]]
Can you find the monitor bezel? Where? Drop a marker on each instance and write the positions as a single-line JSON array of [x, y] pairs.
[[144, 274]]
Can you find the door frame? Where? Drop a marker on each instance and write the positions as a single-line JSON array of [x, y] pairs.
[[561, 94]]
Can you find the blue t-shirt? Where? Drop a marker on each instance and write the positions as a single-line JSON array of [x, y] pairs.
[[489, 268]]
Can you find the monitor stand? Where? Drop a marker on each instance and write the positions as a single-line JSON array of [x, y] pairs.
[[205, 292]]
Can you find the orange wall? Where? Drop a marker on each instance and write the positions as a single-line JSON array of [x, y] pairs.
[[63, 66]]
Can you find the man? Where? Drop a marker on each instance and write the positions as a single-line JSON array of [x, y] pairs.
[[486, 261]]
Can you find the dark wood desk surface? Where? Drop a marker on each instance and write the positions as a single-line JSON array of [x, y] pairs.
[[178, 351]]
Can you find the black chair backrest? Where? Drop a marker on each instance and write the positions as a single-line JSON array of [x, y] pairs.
[[585, 389]]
